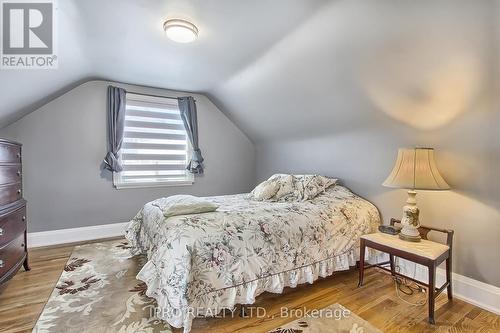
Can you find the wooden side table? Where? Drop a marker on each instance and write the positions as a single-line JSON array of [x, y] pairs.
[[427, 253]]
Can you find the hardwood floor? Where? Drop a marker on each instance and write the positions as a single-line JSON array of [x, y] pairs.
[[23, 298]]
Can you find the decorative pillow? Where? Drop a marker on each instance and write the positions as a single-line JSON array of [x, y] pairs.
[[302, 187], [266, 190], [283, 187], [183, 205], [287, 190], [310, 186]]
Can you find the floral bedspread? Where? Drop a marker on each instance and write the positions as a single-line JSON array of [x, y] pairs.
[[202, 263]]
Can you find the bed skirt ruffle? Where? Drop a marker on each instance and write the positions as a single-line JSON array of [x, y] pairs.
[[182, 315]]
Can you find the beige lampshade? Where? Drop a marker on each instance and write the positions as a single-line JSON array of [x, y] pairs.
[[415, 168]]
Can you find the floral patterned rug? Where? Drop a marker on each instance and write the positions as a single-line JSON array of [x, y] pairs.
[[98, 292], [334, 318]]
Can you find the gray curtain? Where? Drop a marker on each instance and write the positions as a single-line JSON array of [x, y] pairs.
[[116, 123], [187, 106]]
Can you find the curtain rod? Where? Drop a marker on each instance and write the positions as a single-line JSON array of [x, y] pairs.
[[136, 93]]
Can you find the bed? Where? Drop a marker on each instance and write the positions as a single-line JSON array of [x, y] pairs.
[[200, 264]]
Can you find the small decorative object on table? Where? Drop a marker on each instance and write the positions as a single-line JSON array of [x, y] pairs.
[[389, 229], [415, 169]]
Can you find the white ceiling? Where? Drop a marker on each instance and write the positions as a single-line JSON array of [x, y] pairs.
[[124, 41], [277, 68]]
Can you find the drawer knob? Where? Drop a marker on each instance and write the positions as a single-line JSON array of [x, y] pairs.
[[18, 172], [1, 232], [22, 245], [24, 218], [1, 263], [19, 191], [18, 155]]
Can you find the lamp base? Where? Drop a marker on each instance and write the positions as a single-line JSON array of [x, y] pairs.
[[410, 238], [410, 222]]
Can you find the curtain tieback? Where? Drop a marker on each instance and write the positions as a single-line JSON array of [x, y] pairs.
[[197, 157], [112, 161]]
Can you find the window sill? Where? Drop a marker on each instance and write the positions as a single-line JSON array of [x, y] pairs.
[[149, 185]]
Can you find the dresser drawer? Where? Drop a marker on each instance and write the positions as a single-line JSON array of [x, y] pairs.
[[10, 193], [10, 153], [11, 254], [10, 174], [12, 225]]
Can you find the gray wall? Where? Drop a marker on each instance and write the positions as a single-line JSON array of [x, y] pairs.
[[415, 73], [467, 155], [64, 143]]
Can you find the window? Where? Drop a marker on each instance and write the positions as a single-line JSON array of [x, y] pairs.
[[155, 149]]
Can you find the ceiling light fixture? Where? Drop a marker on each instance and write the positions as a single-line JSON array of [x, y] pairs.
[[180, 31]]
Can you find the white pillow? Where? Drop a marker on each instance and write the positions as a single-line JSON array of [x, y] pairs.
[[265, 190], [183, 205]]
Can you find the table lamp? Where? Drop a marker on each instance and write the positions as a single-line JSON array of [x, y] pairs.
[[415, 169]]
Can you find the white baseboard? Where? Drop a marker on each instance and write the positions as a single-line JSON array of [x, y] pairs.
[[64, 236], [472, 291]]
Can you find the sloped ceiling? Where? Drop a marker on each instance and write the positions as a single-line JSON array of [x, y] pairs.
[[278, 68], [124, 41], [419, 63]]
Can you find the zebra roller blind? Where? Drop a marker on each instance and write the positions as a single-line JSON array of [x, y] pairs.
[[155, 149]]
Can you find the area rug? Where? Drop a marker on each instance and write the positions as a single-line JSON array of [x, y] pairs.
[[334, 318], [97, 292]]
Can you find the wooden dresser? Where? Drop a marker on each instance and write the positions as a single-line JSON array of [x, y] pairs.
[[13, 248]]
